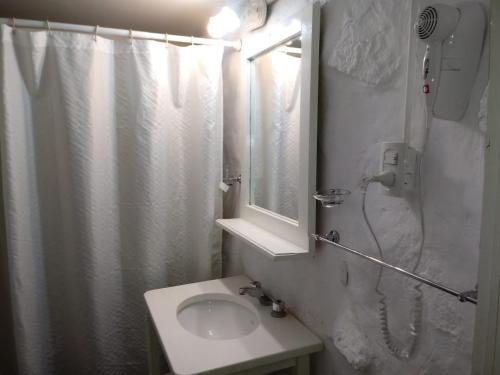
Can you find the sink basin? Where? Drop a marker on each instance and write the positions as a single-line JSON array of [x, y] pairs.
[[217, 316]]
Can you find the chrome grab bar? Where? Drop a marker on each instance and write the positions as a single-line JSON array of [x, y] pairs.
[[468, 296]]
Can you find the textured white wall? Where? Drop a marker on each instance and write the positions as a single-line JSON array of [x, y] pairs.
[[353, 117]]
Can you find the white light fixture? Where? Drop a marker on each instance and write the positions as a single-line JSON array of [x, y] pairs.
[[224, 22], [253, 15]]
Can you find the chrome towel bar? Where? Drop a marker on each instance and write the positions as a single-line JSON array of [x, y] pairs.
[[468, 296]]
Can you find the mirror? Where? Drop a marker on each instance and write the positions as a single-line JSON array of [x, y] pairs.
[[275, 87], [277, 211]]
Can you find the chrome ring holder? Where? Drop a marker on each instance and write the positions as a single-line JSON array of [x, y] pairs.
[[331, 197]]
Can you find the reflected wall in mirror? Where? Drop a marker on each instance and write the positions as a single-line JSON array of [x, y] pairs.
[[275, 86]]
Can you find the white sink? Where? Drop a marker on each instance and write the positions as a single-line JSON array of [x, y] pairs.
[[208, 328], [217, 317]]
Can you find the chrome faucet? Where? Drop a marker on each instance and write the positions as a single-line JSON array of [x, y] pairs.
[[255, 290]]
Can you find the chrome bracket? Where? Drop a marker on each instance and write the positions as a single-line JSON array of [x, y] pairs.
[[465, 296], [230, 181], [333, 236]]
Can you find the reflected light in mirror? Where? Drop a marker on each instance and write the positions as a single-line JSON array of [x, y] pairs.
[[223, 23]]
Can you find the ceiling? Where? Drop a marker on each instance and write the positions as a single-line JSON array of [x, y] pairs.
[[184, 17]]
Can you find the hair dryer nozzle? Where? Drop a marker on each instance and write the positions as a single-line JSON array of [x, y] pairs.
[[437, 22]]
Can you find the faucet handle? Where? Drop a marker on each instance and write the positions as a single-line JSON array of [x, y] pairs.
[[279, 309], [256, 284]]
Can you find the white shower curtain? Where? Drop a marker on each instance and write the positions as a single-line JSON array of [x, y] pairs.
[[110, 160]]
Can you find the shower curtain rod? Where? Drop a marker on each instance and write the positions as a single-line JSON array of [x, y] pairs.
[[468, 296], [106, 31]]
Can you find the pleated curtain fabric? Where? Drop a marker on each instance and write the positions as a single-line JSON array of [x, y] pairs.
[[111, 154]]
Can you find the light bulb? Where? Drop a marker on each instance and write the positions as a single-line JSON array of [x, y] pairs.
[[223, 23]]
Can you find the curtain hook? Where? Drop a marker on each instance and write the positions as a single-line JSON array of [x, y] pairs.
[[95, 33], [166, 39], [13, 24], [48, 26], [192, 40], [131, 35]]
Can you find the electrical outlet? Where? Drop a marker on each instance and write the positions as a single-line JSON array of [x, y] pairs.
[[400, 159]]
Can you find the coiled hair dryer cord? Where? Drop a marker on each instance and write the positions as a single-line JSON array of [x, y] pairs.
[[390, 341], [394, 346]]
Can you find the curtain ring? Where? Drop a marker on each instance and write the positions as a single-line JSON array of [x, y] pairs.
[[47, 23], [13, 25], [95, 33]]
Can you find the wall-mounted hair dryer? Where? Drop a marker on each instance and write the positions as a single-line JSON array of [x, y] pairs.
[[454, 37]]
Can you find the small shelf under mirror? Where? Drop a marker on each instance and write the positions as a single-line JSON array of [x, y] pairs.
[[267, 243]]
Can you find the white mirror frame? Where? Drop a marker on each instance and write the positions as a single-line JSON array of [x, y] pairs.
[[273, 234]]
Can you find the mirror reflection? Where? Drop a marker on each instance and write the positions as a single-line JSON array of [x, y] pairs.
[[275, 128]]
